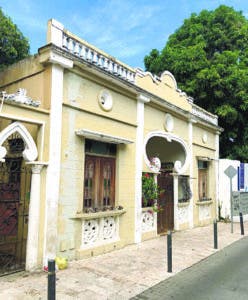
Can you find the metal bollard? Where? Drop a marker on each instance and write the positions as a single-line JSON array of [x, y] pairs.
[[215, 235], [51, 287], [241, 223], [169, 252]]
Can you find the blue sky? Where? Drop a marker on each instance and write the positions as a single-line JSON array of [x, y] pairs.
[[126, 29]]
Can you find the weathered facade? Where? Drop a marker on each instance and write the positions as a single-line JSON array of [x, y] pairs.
[[85, 132]]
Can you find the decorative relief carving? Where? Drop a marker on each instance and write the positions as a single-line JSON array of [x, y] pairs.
[[19, 97], [99, 231], [169, 123], [109, 228], [91, 231], [147, 221], [105, 100]]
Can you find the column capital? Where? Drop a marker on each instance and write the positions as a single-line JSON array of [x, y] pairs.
[[36, 166]]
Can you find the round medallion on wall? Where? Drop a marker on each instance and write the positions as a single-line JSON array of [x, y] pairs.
[[204, 137], [169, 123], [105, 100]]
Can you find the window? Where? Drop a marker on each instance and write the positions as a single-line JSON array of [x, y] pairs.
[[184, 191], [99, 176], [203, 180]]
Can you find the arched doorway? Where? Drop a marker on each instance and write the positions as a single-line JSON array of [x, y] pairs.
[[16, 147], [173, 155]]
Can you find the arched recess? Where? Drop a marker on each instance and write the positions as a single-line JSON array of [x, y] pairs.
[[30, 152], [168, 148]]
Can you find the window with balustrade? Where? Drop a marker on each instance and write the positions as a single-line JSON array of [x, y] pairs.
[[99, 175]]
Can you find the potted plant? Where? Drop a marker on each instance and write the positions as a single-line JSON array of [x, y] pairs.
[[150, 192]]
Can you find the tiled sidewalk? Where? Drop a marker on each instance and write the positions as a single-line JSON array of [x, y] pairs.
[[123, 273]]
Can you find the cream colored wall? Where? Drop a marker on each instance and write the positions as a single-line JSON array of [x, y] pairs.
[[30, 75], [82, 111], [198, 133], [164, 88], [198, 150], [83, 93], [154, 120]]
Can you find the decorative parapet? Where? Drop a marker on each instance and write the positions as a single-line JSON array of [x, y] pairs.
[[19, 97], [62, 38], [97, 57], [205, 115]]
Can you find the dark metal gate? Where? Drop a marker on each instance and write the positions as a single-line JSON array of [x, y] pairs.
[[15, 181]]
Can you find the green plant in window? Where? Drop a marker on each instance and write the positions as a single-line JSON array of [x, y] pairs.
[[150, 192]]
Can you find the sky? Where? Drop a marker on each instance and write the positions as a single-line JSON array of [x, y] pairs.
[[125, 29]]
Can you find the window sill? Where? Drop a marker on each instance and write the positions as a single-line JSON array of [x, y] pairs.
[[100, 214], [183, 204], [204, 202]]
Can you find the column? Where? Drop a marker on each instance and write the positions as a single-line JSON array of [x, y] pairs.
[[217, 194], [141, 100], [191, 204], [34, 217], [175, 184]]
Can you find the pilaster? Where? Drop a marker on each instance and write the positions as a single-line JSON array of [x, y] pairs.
[[141, 100]]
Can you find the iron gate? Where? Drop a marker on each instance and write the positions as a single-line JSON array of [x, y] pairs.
[[15, 181]]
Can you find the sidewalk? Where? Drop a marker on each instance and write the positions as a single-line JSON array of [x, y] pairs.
[[123, 273]]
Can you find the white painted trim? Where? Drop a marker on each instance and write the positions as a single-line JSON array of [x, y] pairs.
[[100, 136], [34, 217], [217, 175], [53, 169], [169, 137], [191, 206], [139, 162], [30, 152], [31, 121], [175, 195]]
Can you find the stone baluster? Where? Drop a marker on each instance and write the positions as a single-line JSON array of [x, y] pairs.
[[76, 49], [65, 41], [110, 69], [83, 52], [89, 54], [124, 74], [70, 45], [95, 57], [106, 63], [115, 70]]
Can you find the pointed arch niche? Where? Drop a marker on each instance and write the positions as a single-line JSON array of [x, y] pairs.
[[30, 152]]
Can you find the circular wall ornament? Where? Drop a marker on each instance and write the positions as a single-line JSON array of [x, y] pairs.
[[204, 137], [169, 123], [105, 100]]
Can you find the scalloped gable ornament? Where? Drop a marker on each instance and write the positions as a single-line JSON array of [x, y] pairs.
[[164, 87]]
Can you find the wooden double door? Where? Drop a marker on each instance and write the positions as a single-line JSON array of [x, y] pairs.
[[165, 220]]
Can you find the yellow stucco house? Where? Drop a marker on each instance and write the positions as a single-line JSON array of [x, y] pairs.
[[78, 128]]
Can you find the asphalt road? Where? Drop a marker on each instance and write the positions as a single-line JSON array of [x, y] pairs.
[[223, 275]]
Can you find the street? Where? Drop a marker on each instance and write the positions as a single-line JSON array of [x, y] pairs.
[[223, 275]]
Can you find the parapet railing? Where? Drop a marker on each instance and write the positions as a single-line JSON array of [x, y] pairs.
[[97, 58]]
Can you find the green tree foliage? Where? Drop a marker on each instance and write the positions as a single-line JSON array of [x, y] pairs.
[[13, 45], [208, 55]]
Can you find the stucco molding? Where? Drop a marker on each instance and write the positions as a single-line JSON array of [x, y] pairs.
[[30, 152], [178, 166]]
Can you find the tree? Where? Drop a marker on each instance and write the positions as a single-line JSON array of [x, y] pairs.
[[208, 55], [13, 45]]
